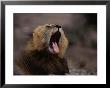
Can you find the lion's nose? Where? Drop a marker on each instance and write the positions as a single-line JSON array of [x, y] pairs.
[[58, 26]]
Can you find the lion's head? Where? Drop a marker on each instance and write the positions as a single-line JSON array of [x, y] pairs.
[[50, 37]]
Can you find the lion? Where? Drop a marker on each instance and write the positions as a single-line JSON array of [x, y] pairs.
[[44, 52]]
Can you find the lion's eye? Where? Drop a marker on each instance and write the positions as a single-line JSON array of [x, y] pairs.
[[48, 26]]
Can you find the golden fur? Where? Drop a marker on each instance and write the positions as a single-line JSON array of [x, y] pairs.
[[35, 60], [40, 41]]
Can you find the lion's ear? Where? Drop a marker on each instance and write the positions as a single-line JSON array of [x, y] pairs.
[[33, 34]]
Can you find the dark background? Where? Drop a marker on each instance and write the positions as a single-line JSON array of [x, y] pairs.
[[80, 29]]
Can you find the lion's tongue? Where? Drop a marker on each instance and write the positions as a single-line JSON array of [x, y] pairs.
[[55, 47]]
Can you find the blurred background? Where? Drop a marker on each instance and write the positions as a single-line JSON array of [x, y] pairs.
[[80, 29]]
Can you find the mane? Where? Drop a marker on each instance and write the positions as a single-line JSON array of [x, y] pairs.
[[40, 63], [36, 59]]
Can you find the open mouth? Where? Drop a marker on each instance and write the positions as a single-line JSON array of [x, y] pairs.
[[54, 42]]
